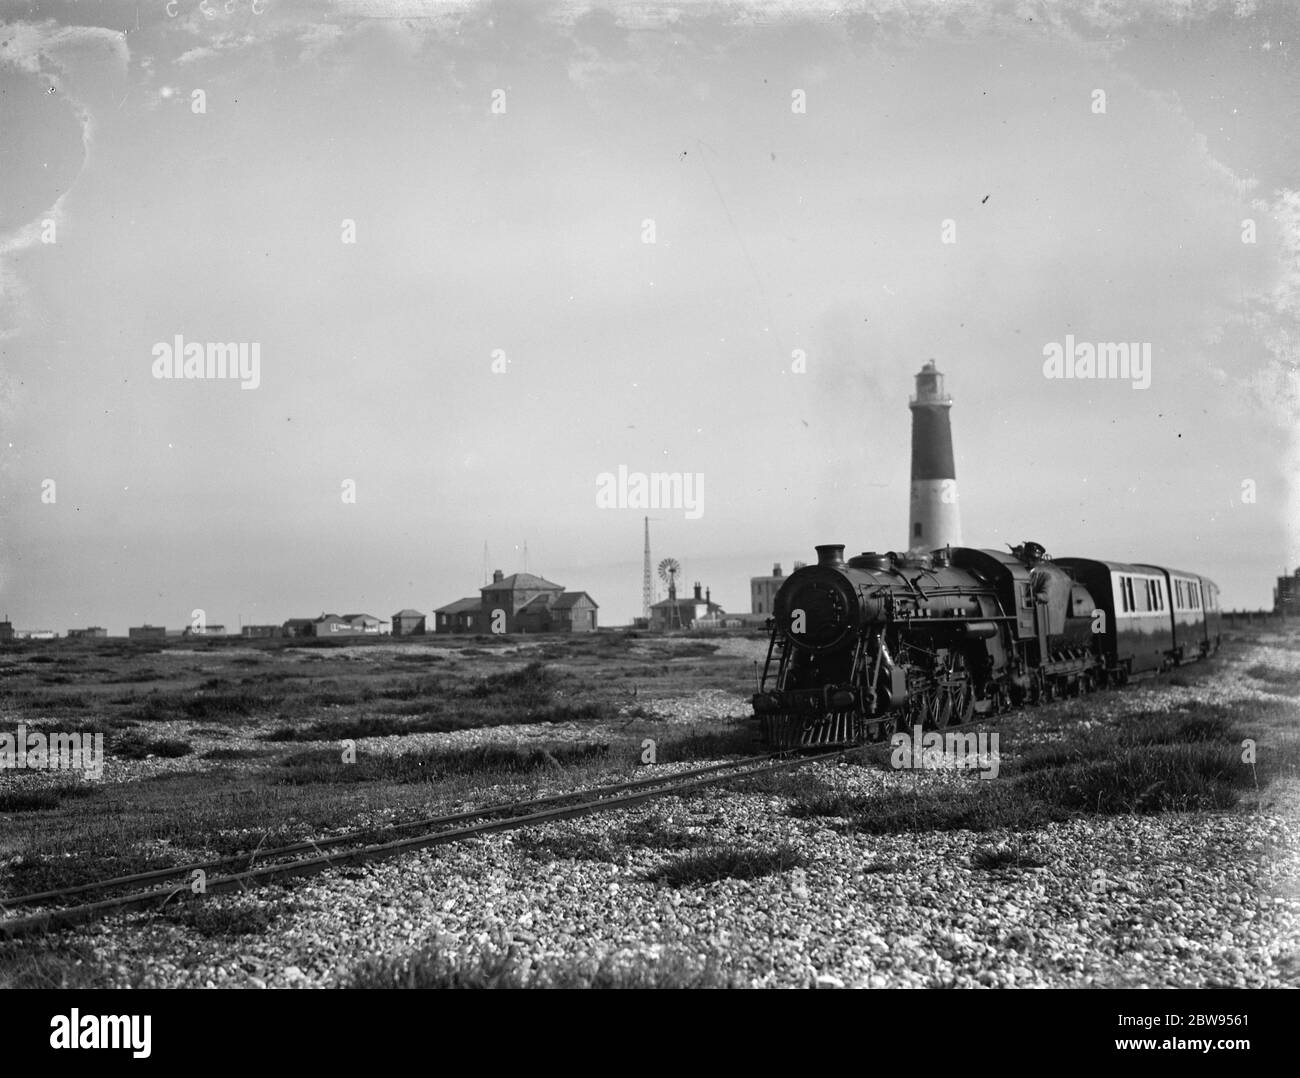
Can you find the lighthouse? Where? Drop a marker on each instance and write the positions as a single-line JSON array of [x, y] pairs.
[[935, 520]]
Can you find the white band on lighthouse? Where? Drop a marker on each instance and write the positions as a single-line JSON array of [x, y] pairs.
[[935, 520]]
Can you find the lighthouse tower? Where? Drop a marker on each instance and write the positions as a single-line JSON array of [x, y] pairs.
[[935, 520]]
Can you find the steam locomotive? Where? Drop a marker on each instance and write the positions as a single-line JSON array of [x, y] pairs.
[[886, 642]]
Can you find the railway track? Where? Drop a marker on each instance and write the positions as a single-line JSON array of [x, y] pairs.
[[327, 853]]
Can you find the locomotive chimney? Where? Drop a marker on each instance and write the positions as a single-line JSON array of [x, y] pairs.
[[934, 517], [831, 554]]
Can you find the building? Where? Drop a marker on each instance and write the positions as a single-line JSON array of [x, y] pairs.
[[261, 632], [36, 634], [763, 589], [408, 623], [675, 613], [147, 632], [367, 624], [520, 603], [729, 621], [934, 519], [1286, 596], [6, 631], [347, 625], [573, 612], [333, 625], [457, 617], [298, 627], [525, 603], [205, 630], [95, 632]]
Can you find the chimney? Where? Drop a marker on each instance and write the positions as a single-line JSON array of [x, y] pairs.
[[697, 591], [933, 520], [776, 569], [708, 595], [497, 576], [831, 554]]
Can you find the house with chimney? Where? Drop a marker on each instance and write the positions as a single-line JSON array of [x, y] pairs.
[[675, 613], [520, 603]]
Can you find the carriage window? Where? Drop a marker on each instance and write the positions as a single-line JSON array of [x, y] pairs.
[[1128, 584], [1026, 597]]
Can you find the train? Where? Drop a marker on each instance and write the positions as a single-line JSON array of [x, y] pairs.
[[882, 643]]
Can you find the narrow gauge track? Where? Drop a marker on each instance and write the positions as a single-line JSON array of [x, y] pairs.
[[503, 817]]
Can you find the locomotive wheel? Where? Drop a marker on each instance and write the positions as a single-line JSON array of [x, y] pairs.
[[945, 711], [1049, 690], [933, 707], [967, 707]]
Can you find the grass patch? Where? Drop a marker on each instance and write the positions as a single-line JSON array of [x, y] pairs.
[[507, 966], [1004, 855], [247, 918], [530, 694], [140, 748], [51, 701], [611, 847], [735, 740], [1285, 681], [51, 872], [226, 752], [433, 765], [1183, 761], [41, 800], [729, 863], [214, 705]]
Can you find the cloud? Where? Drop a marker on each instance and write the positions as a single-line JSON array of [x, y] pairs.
[[222, 43], [46, 50]]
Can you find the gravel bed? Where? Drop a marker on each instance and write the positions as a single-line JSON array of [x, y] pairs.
[[1189, 900]]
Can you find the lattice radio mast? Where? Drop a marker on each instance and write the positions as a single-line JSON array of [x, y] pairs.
[[647, 580]]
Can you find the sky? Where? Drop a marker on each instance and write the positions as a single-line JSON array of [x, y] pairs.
[[490, 252]]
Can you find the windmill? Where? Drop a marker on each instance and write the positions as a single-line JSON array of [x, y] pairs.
[[668, 570]]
